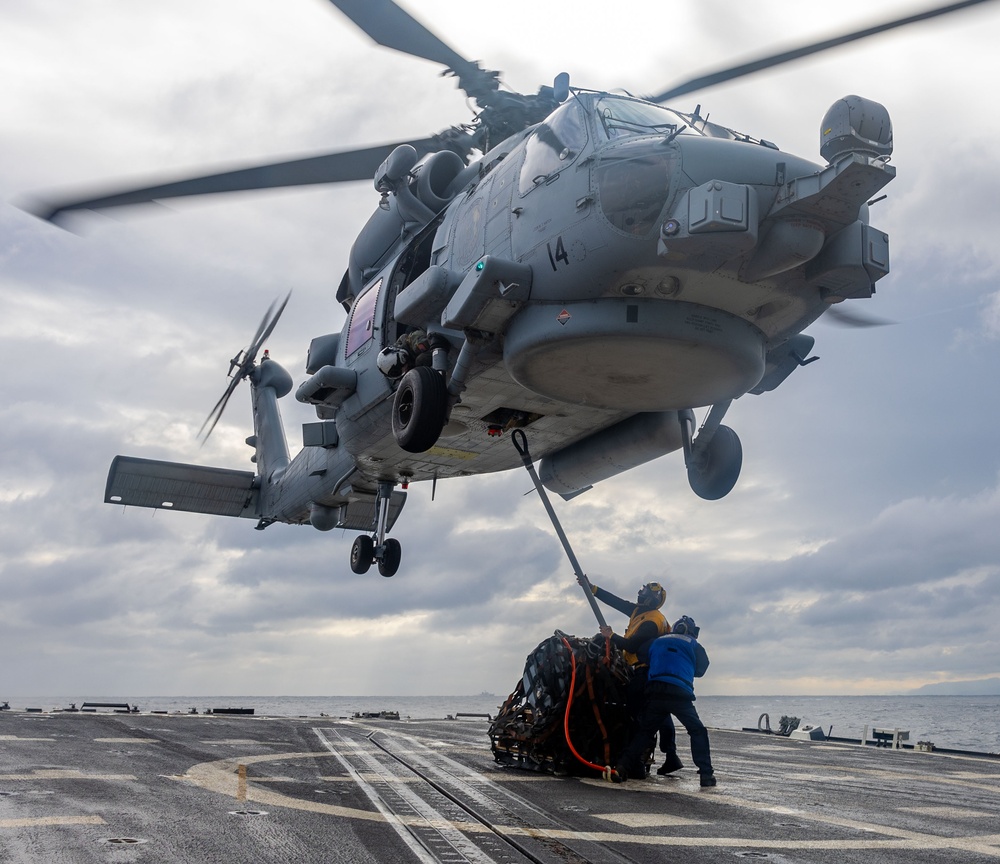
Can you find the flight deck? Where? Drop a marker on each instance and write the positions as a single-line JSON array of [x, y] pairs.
[[97, 787]]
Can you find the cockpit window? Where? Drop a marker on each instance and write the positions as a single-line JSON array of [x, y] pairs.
[[633, 185], [625, 117], [553, 145]]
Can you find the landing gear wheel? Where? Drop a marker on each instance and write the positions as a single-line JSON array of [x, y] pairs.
[[362, 553], [418, 409], [392, 552], [718, 467]]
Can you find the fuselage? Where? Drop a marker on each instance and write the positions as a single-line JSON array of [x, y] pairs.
[[660, 264]]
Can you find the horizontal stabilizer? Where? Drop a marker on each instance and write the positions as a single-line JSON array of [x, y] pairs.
[[174, 486]]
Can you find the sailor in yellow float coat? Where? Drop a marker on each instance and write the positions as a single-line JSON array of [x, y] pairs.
[[645, 623]]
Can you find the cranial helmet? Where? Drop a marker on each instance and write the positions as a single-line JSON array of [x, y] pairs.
[[652, 595], [685, 626], [392, 362]]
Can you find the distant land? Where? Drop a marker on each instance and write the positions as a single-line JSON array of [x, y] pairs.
[[982, 687]]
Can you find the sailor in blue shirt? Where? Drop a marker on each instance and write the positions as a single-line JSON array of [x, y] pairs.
[[675, 660]]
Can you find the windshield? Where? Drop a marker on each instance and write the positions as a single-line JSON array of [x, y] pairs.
[[623, 117]]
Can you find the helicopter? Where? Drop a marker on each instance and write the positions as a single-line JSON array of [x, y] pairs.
[[584, 267]]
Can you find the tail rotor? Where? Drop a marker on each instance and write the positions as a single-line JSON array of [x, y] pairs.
[[243, 364]]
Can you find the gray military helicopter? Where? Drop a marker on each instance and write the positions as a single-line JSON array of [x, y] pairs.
[[583, 266]]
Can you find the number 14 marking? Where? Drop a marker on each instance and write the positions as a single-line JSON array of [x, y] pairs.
[[559, 254]]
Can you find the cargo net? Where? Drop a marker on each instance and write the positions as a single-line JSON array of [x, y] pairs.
[[567, 714]]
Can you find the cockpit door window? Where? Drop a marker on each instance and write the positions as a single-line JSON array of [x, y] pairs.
[[553, 145], [362, 327]]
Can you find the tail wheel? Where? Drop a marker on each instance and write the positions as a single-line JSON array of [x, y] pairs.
[[362, 553], [418, 409], [718, 468], [392, 553]]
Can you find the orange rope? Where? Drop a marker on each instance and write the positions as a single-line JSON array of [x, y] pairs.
[[597, 715], [606, 770]]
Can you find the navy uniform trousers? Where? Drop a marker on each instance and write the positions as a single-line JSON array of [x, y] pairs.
[[662, 701]]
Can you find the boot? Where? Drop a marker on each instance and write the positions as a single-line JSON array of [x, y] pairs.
[[671, 763]]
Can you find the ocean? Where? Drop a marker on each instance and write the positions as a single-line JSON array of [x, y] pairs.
[[951, 722]]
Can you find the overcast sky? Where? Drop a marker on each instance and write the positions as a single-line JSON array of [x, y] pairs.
[[859, 553]]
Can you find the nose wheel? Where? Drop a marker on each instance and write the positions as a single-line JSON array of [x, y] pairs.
[[368, 549]]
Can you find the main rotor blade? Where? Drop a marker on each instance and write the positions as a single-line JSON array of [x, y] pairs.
[[851, 318], [733, 72], [391, 26], [339, 167]]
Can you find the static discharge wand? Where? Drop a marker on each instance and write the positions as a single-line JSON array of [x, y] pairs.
[[521, 443]]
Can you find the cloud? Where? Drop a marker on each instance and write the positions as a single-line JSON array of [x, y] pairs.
[[991, 316], [857, 551]]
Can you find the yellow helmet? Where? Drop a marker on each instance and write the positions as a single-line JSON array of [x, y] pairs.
[[652, 595]]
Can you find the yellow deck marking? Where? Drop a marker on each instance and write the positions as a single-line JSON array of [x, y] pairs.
[[220, 776], [524, 777], [816, 776], [949, 812], [964, 779], [241, 782], [278, 780], [51, 820], [64, 774], [648, 820], [16, 738]]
